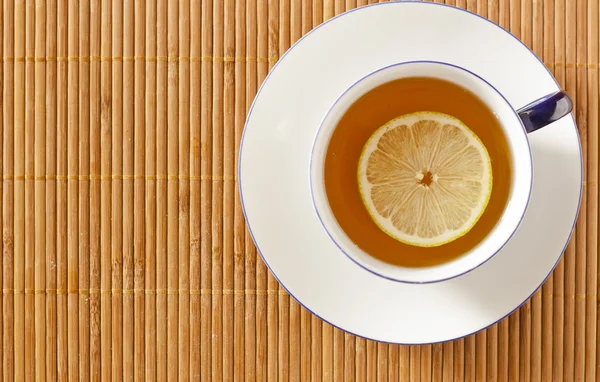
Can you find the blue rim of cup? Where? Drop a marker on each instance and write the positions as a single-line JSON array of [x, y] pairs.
[[242, 195], [339, 98]]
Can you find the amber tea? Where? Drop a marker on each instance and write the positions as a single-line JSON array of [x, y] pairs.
[[417, 172]]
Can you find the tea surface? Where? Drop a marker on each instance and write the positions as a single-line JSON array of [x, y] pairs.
[[373, 110]]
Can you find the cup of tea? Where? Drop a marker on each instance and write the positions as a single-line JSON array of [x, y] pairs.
[[422, 171]]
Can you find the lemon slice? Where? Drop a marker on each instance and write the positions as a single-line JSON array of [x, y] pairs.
[[425, 178]]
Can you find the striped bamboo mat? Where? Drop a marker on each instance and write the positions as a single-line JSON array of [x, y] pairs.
[[124, 251]]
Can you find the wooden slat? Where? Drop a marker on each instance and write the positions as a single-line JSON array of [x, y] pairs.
[[591, 290], [29, 222], [150, 199], [84, 192], [579, 32], [161, 190], [139, 262], [105, 193], [206, 191], [184, 35], [195, 192], [50, 212], [61, 195], [250, 258], [239, 228], [4, 117], [128, 189]]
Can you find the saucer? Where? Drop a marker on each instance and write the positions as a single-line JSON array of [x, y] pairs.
[[274, 174]]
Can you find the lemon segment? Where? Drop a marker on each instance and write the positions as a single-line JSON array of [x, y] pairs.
[[425, 178]]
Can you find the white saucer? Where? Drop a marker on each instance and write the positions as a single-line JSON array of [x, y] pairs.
[[274, 174]]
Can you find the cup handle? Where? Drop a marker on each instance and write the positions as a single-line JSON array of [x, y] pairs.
[[545, 110]]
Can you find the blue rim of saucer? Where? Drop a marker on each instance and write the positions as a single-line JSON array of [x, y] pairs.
[[312, 154], [242, 194]]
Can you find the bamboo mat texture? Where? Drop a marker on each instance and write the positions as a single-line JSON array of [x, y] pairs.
[[125, 254]]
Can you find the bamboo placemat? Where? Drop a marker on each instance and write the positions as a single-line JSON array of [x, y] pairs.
[[125, 254]]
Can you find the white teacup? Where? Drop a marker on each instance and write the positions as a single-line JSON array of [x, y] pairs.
[[516, 125]]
